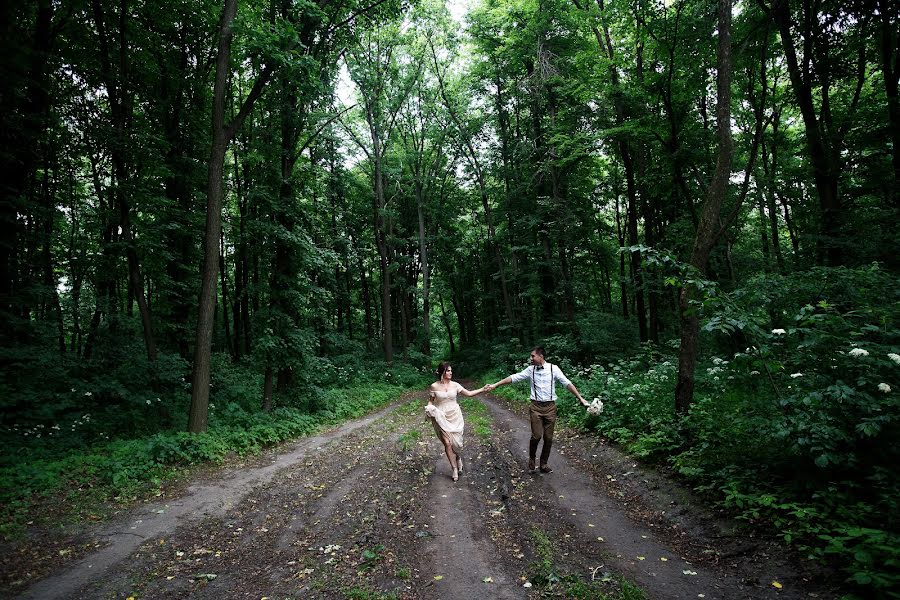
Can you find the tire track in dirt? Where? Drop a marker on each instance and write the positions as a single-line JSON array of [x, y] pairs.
[[627, 547], [253, 563], [458, 548], [212, 499]]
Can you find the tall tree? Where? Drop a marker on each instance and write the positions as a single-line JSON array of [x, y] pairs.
[[222, 134], [383, 84], [709, 220]]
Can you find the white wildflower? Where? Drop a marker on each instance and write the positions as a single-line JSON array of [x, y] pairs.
[[779, 331], [88, 394], [859, 352], [884, 388], [796, 375], [148, 403], [894, 357], [754, 372], [595, 407]]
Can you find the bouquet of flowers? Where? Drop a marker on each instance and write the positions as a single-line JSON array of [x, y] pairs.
[[595, 407]]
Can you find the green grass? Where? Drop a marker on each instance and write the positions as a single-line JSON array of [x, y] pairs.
[[409, 438], [478, 421], [553, 583], [364, 593]]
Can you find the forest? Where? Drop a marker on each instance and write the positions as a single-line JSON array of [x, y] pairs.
[[226, 224]]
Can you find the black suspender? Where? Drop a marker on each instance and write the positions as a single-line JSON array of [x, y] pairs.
[[534, 384]]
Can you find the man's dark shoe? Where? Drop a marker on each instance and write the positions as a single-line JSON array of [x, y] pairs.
[[546, 469], [531, 466]]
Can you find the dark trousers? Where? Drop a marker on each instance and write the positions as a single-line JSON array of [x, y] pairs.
[[543, 421]]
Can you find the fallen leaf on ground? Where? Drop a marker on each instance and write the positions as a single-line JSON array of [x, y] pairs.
[[488, 580], [777, 585], [438, 577]]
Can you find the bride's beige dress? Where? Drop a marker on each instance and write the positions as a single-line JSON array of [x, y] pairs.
[[446, 415]]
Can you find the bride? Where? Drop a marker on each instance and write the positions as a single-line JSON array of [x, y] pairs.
[[446, 415]]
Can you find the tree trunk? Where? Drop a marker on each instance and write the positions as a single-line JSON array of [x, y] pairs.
[[426, 276], [709, 220], [21, 143], [367, 301], [384, 262], [446, 322], [890, 67], [826, 165], [267, 389], [222, 134], [623, 288], [229, 341], [240, 262], [769, 171], [197, 420]]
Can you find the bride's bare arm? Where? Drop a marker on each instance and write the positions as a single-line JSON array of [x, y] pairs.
[[469, 394]]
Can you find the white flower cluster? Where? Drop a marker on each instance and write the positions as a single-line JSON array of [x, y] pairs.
[[884, 388], [40, 430], [595, 407], [857, 352], [894, 357]]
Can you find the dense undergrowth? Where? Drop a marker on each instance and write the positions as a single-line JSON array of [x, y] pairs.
[[85, 437], [795, 420]]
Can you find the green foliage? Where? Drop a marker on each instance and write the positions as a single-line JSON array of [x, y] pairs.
[[370, 557]]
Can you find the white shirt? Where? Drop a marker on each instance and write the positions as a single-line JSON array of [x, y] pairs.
[[543, 381]]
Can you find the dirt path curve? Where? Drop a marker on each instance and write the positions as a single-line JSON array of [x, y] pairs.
[[369, 511], [154, 520], [643, 551]]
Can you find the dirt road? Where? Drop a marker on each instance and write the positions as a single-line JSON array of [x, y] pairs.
[[368, 511]]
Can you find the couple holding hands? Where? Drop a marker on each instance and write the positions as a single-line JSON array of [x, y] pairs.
[[447, 418]]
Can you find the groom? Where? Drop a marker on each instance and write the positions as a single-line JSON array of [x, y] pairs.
[[543, 376]]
